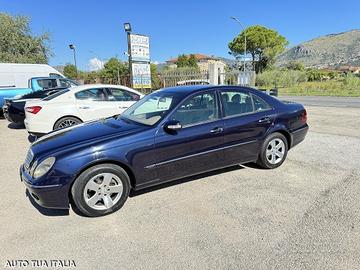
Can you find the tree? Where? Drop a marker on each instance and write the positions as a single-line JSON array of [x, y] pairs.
[[182, 61], [192, 61], [186, 61], [262, 43], [155, 80], [70, 71], [18, 44], [293, 65], [113, 70]]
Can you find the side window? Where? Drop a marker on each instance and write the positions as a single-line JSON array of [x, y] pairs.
[[96, 94], [67, 83], [236, 102], [197, 109], [123, 95], [47, 83], [260, 104]]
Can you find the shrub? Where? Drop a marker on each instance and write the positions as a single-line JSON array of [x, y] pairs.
[[280, 78]]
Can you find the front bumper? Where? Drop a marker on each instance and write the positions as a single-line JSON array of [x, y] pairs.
[[48, 196]]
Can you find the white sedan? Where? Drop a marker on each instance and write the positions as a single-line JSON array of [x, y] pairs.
[[76, 105]]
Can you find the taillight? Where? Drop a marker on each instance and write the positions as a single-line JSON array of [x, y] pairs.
[[303, 117], [33, 109]]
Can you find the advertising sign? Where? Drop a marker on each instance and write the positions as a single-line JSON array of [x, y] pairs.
[[141, 75], [139, 46]]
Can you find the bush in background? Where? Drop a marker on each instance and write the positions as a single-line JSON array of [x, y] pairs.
[[280, 78]]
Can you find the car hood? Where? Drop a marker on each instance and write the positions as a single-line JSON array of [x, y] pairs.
[[88, 133]]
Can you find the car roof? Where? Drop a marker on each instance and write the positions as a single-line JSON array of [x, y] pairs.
[[88, 86], [189, 89]]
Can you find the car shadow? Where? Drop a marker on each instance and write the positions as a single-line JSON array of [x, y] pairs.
[[16, 125], [185, 180], [46, 211]]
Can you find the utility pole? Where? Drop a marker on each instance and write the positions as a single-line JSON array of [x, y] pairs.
[[238, 21], [73, 48], [127, 28]]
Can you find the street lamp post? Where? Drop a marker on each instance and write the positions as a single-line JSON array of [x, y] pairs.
[[238, 21], [127, 28], [73, 48]]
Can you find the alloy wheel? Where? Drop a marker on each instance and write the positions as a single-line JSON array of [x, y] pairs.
[[275, 151], [67, 123], [103, 191]]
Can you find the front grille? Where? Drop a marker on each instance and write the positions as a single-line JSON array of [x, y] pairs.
[[28, 160]]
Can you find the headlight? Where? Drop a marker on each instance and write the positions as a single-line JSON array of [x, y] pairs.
[[43, 167]]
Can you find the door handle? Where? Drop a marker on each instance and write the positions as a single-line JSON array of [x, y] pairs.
[[217, 130], [265, 119]]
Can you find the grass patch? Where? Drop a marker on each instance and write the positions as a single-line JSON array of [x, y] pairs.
[[324, 88]]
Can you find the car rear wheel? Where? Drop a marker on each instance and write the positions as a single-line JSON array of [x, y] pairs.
[[273, 151], [66, 122], [101, 190]]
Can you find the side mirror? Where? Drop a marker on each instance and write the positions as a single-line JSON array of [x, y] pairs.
[[172, 126]]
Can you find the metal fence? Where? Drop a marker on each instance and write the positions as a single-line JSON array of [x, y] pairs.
[[227, 78], [169, 79]]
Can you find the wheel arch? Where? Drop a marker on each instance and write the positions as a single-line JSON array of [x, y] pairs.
[[105, 161], [65, 117], [280, 128], [286, 135]]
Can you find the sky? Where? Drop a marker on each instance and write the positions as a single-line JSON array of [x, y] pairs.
[[174, 27]]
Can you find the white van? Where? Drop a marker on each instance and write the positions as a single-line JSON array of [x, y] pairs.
[[18, 75]]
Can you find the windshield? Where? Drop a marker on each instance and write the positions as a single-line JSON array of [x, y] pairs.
[[152, 108]]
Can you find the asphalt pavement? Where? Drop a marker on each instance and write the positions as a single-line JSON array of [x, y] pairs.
[[348, 102]]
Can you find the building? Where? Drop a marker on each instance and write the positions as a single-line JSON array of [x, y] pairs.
[[204, 62]]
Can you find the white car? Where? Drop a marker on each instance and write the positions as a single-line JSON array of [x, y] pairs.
[[76, 105]]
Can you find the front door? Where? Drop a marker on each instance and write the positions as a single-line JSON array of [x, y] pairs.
[[121, 99], [246, 120], [196, 147], [93, 104]]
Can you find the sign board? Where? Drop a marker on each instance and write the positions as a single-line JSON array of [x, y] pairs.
[[141, 75], [139, 46]]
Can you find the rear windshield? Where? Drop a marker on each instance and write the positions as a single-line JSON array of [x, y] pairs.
[[56, 94]]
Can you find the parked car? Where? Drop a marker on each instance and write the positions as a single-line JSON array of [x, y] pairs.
[[77, 105], [20, 79], [192, 82], [14, 109], [169, 134]]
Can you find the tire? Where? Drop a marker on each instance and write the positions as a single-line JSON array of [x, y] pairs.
[[273, 151], [91, 191], [66, 122]]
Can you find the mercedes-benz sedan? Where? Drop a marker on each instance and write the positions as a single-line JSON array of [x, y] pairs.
[[169, 134]]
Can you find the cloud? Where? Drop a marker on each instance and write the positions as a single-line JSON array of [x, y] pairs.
[[95, 64]]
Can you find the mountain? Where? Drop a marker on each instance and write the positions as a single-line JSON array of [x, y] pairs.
[[334, 50]]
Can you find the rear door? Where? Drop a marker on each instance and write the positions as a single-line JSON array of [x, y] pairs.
[[246, 120], [93, 104], [121, 99]]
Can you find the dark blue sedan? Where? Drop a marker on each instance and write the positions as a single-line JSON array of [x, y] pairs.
[[169, 134]]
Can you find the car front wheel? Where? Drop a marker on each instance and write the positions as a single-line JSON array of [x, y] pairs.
[[101, 190], [273, 151]]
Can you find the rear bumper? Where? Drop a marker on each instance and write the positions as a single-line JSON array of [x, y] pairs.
[[35, 129], [297, 136], [48, 196], [14, 117]]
